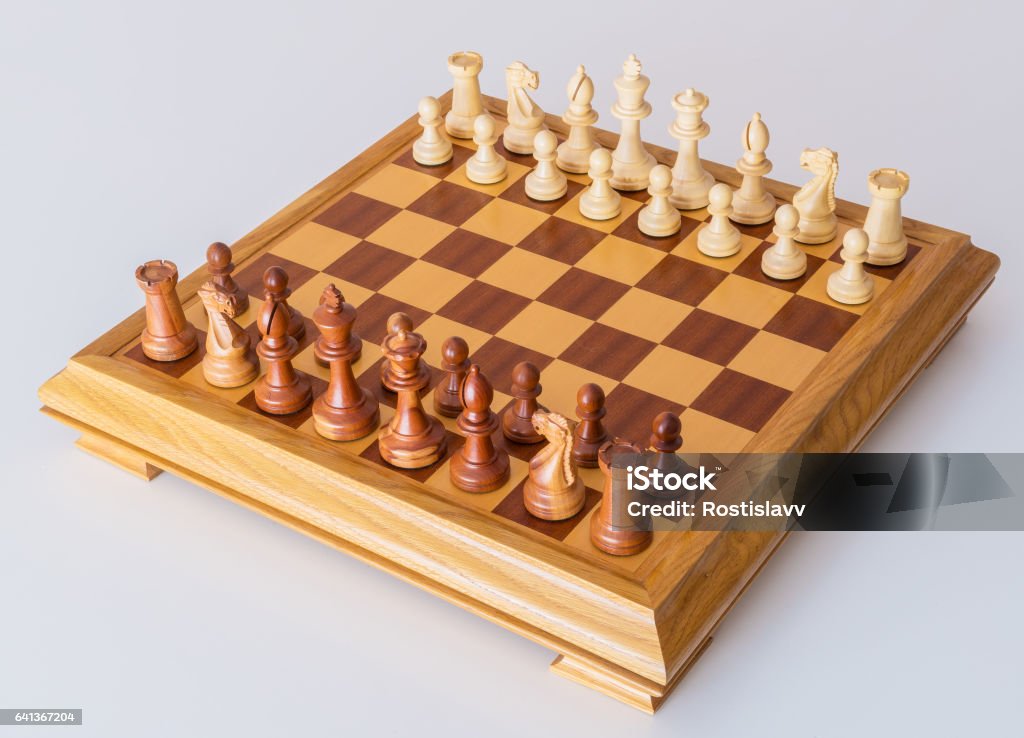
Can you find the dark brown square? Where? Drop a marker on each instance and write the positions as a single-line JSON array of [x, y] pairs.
[[517, 193], [682, 280], [811, 322], [583, 293], [369, 265], [607, 351], [710, 337], [372, 453], [484, 307], [741, 400], [631, 412], [629, 230], [250, 277], [174, 369], [638, 195], [295, 419], [372, 319], [449, 203], [466, 252], [561, 240], [751, 269], [761, 231], [459, 156], [512, 508], [498, 357], [526, 160], [886, 272], [357, 215]]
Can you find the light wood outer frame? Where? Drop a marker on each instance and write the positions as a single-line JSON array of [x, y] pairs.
[[630, 636]]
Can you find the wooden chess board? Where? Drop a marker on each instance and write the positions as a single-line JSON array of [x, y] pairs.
[[747, 362]]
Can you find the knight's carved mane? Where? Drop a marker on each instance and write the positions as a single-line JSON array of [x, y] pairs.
[[558, 430]]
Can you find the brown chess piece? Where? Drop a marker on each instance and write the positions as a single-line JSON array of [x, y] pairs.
[[276, 290], [517, 424], [345, 411], [478, 466], [590, 433], [413, 439], [612, 529], [554, 489], [282, 390], [402, 322], [168, 336], [455, 363], [352, 346], [666, 439], [219, 266]]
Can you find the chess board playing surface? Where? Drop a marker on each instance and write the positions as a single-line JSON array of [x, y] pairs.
[[747, 362]]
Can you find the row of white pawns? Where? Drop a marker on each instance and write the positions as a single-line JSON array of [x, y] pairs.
[[686, 186]]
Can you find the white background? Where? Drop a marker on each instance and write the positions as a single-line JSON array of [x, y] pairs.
[[132, 131]]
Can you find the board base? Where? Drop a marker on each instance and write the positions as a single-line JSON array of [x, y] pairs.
[[117, 453]]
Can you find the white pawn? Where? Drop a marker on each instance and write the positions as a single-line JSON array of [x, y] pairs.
[[546, 182], [485, 166], [785, 260], [659, 217], [600, 201], [753, 204], [851, 285], [432, 148], [719, 238]]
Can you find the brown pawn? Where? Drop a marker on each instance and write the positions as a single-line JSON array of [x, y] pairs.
[[218, 264], [345, 411], [666, 439], [590, 433], [282, 390], [455, 363], [413, 439], [402, 322], [478, 466], [517, 424], [168, 336], [275, 289], [611, 528]]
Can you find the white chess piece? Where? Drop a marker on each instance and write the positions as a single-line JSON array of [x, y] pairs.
[[816, 200], [432, 147], [851, 285], [467, 102], [631, 162], [546, 181], [600, 201], [659, 218], [574, 152], [785, 260], [719, 238], [690, 182], [752, 204], [525, 118], [887, 244], [485, 166]]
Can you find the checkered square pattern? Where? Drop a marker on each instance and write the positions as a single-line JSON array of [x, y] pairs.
[[657, 324]]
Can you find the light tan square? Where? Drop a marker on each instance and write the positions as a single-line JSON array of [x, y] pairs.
[[305, 361], [524, 273], [687, 249], [745, 300], [544, 328], [436, 329], [777, 360], [704, 433], [425, 286], [194, 377], [645, 314], [441, 480], [396, 185], [505, 221], [357, 446], [672, 375], [816, 288], [621, 260], [411, 233], [307, 297], [514, 172], [825, 250], [579, 539], [562, 380], [314, 245], [571, 212]]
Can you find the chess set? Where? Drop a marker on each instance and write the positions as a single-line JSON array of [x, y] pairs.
[[430, 359]]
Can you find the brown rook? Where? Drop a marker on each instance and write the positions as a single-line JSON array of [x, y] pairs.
[[611, 527], [167, 335]]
